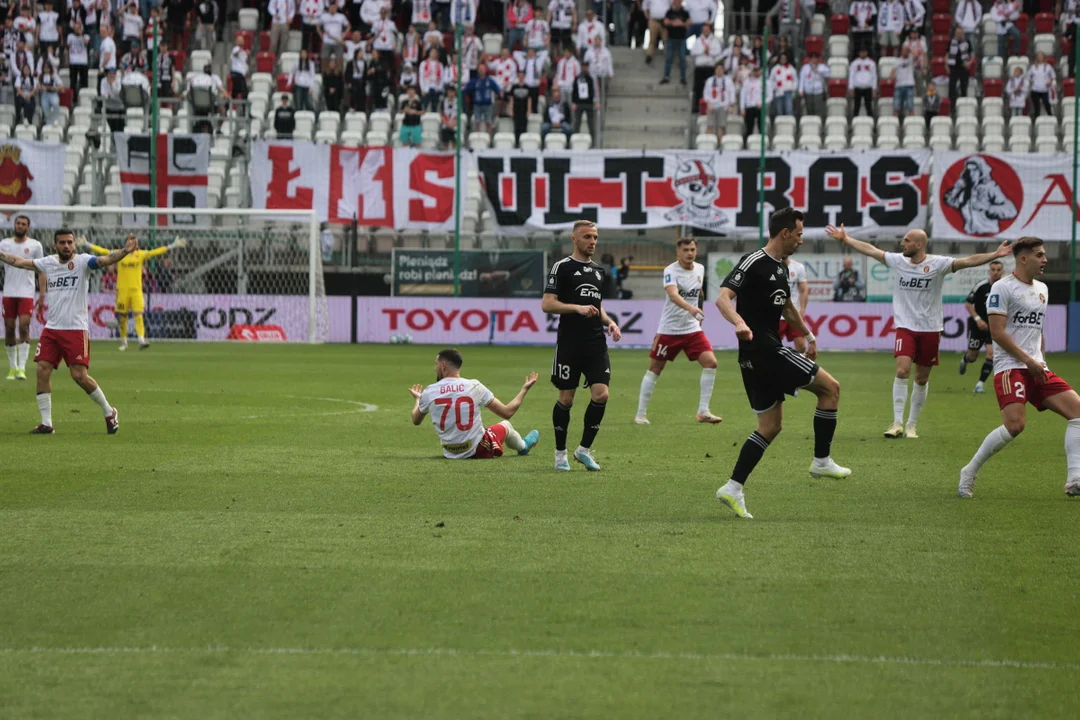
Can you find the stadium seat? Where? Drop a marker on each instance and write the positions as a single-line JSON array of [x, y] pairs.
[[705, 141], [350, 138], [862, 127], [1044, 22], [556, 141], [492, 43], [836, 127], [248, 19], [941, 23], [1046, 145], [295, 42], [783, 142], [992, 89], [838, 86], [1046, 126], [784, 125], [861, 142], [326, 137], [200, 59], [264, 62], [245, 39], [479, 141], [839, 46], [836, 107], [809, 142], [264, 39], [305, 125], [939, 45], [989, 43], [355, 122], [430, 122], [939, 142], [813, 44], [1020, 144], [839, 24], [887, 125], [52, 134], [1021, 23], [992, 67], [966, 127], [914, 142], [941, 127], [753, 141], [885, 67], [838, 72], [530, 142], [376, 138], [380, 121], [1019, 127], [329, 121], [504, 141], [994, 143], [913, 126], [817, 24], [287, 62], [967, 144], [810, 125], [1045, 43], [580, 141], [1015, 61], [835, 143], [26, 132], [966, 107], [993, 125]]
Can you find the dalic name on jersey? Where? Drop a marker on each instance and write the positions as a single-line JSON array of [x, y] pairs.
[[451, 389], [1028, 318], [916, 283]]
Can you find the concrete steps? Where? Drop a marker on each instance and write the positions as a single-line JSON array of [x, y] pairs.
[[642, 113]]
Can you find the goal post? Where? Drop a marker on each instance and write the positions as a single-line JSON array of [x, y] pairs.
[[238, 274]]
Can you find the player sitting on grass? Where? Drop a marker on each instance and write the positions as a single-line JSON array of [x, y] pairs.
[[129, 288], [455, 403], [1016, 307]]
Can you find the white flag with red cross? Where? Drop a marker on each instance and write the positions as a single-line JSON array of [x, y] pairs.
[[182, 164]]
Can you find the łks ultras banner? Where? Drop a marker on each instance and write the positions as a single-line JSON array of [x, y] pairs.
[[876, 193], [1003, 196]]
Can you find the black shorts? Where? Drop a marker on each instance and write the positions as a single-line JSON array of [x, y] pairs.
[[977, 338], [572, 361], [770, 375]]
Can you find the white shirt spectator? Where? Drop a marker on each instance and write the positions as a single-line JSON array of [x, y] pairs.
[[732, 58], [1004, 13], [656, 9], [701, 11], [384, 33], [565, 71], [473, 48], [504, 70], [108, 89], [533, 67], [1041, 77], [1017, 91], [333, 28], [351, 48], [601, 64], [917, 50], [132, 24], [312, 10], [26, 26], [707, 50], [812, 78], [431, 76], [136, 78], [78, 49], [48, 60], [783, 78], [450, 75], [968, 15], [304, 75], [107, 54], [537, 33], [463, 11], [891, 17], [238, 63], [914, 13], [421, 12], [47, 24], [410, 51], [719, 92], [586, 31], [433, 39], [282, 12], [750, 95], [208, 82], [562, 14], [1070, 14], [862, 73], [369, 11], [904, 72], [863, 12]]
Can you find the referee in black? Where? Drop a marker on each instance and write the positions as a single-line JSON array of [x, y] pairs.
[[753, 297], [978, 329], [573, 291]]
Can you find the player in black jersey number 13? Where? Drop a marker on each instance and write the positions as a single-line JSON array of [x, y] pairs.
[[752, 298], [573, 292]]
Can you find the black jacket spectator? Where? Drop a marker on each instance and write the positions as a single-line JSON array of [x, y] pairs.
[[285, 121], [848, 287]]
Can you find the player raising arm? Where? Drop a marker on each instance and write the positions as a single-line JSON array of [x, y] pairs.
[[67, 333], [455, 403], [917, 311], [680, 331], [19, 297], [759, 286], [129, 287], [573, 292], [1016, 307]]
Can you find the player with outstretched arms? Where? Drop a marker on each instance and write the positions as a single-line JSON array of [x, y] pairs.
[[799, 292], [455, 404], [67, 333], [917, 314], [978, 327], [680, 331], [18, 301], [573, 292], [753, 297], [129, 288], [1016, 307]]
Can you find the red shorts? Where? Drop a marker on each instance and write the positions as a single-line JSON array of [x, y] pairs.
[[1017, 386], [71, 346], [18, 307], [921, 347], [788, 332], [668, 347], [491, 446]]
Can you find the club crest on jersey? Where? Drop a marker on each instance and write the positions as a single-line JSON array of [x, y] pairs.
[[71, 265], [925, 269], [1042, 298], [994, 301], [736, 278]]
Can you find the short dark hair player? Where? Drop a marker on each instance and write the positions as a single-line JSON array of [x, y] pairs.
[[978, 326]]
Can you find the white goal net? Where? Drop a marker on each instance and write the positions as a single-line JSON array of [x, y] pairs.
[[225, 275]]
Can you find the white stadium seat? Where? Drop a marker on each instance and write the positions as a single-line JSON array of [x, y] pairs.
[[555, 141], [705, 141]]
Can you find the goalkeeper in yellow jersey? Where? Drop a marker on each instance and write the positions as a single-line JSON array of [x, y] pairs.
[[129, 289]]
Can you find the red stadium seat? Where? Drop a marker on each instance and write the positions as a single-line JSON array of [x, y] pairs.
[[993, 88], [264, 62], [946, 107], [264, 40], [1046, 6], [67, 98], [246, 39], [283, 81], [886, 88], [703, 107], [1022, 23], [814, 44], [942, 6], [839, 24], [1044, 22], [942, 23], [837, 88], [938, 67], [939, 45], [1068, 86]]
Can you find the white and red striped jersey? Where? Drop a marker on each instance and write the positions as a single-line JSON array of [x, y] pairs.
[[505, 71], [431, 76], [385, 35], [312, 10], [586, 31]]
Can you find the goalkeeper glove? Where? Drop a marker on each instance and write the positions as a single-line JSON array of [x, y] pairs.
[[178, 243]]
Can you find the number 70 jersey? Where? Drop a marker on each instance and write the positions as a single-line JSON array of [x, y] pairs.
[[455, 405]]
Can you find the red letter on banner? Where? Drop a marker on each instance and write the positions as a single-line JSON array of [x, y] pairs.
[[361, 185], [281, 174], [443, 207]]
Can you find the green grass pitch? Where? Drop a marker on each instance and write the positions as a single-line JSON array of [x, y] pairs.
[[259, 541]]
